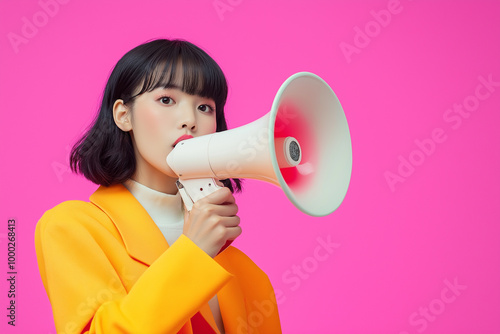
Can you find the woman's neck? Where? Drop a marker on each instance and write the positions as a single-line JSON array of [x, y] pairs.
[[154, 179]]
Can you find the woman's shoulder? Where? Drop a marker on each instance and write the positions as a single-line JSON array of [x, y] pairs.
[[73, 215], [73, 209]]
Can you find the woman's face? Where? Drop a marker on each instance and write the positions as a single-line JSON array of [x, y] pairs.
[[158, 119]]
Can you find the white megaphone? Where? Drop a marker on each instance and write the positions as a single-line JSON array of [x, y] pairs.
[[302, 145]]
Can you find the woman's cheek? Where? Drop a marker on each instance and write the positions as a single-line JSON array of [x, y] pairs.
[[152, 140]]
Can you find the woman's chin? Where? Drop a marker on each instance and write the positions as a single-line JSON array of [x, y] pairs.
[[170, 173]]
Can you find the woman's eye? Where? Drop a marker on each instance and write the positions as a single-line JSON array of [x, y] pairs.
[[206, 108], [166, 100]]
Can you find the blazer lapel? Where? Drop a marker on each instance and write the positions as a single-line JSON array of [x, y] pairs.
[[143, 240]]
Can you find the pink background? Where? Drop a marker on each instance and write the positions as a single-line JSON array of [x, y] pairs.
[[397, 248]]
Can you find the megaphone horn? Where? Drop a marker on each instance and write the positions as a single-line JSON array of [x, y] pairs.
[[302, 145]]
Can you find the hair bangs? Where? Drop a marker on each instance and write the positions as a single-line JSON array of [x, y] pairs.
[[187, 68]]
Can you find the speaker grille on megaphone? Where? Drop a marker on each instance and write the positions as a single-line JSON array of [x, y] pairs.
[[302, 145]]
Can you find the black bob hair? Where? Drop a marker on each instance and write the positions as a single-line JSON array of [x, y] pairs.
[[105, 154]]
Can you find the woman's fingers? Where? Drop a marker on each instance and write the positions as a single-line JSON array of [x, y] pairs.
[[233, 232], [230, 221], [223, 210], [213, 222], [220, 196]]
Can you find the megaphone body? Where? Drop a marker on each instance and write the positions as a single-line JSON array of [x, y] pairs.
[[302, 145]]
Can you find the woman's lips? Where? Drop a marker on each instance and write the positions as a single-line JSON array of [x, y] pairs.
[[181, 138]]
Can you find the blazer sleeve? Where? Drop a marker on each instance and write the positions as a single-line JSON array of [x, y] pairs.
[[87, 293]]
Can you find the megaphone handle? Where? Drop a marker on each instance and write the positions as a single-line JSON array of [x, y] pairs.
[[192, 190]]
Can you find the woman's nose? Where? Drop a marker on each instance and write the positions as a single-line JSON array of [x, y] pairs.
[[188, 120], [189, 126]]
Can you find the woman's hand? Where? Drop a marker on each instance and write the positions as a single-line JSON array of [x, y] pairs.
[[213, 221]]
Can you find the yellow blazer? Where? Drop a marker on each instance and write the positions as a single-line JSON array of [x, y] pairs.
[[107, 268]]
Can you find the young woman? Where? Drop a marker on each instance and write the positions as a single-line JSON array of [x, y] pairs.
[[132, 260]]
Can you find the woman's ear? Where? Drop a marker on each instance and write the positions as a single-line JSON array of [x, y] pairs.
[[121, 115]]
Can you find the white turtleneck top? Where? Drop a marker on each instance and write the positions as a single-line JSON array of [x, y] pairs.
[[165, 209]]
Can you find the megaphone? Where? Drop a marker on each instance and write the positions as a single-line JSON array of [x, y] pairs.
[[302, 145]]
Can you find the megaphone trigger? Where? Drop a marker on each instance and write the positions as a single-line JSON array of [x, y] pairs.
[[188, 202]]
